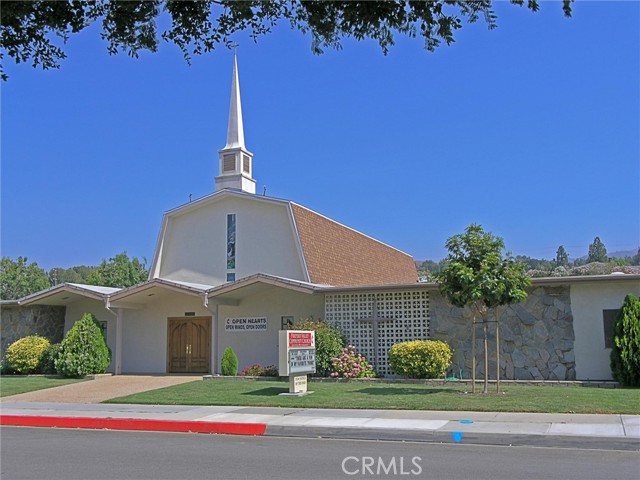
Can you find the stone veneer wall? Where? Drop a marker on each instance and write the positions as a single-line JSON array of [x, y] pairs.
[[19, 322], [536, 336]]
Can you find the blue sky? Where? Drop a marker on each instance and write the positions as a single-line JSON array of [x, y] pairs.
[[531, 130]]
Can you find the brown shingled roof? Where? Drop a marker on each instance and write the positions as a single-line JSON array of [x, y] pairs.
[[340, 256]]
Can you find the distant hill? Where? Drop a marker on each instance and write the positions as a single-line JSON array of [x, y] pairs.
[[618, 254], [623, 253]]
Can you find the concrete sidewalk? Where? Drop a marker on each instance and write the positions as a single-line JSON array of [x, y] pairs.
[[101, 388], [620, 432]]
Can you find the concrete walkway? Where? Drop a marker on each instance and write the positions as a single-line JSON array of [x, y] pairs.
[[102, 388], [75, 406]]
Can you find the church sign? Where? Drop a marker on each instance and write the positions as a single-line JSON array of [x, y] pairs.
[[297, 358], [245, 324]]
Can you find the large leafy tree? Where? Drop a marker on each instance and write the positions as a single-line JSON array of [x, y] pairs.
[[29, 28], [119, 271], [480, 277], [19, 278]]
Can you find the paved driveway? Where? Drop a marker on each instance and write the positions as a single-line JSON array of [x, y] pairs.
[[102, 388]]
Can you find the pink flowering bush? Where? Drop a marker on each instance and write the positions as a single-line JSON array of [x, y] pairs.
[[350, 364], [257, 370]]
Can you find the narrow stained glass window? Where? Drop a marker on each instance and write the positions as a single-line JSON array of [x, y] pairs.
[[231, 241]]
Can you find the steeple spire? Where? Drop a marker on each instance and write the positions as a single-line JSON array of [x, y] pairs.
[[235, 160], [235, 131]]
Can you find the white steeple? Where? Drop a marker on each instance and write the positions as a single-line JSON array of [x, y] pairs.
[[235, 160]]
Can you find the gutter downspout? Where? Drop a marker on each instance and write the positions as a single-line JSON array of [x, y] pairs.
[[117, 366], [214, 332]]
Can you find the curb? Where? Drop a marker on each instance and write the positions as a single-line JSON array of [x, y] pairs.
[[432, 436], [230, 428]]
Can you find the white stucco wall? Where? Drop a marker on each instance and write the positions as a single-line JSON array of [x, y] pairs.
[[144, 331], [76, 309], [194, 245], [262, 347], [588, 300]]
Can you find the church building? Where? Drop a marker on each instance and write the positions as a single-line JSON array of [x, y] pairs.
[[233, 268]]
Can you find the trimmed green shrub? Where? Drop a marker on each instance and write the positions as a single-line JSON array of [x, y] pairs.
[[420, 358], [625, 352], [24, 355], [329, 343], [48, 360], [5, 368], [84, 350], [229, 364]]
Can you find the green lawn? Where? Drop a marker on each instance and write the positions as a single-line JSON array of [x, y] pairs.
[[516, 398], [12, 385]]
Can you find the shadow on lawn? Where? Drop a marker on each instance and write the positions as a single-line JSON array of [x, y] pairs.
[[267, 392], [400, 391]]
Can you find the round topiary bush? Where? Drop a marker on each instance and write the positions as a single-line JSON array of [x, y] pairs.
[[84, 350], [420, 358], [229, 363], [24, 355]]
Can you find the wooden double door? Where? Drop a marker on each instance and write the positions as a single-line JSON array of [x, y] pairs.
[[189, 345]]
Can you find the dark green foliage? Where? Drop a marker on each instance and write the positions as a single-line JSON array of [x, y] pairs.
[[5, 367], [625, 353], [84, 350], [477, 273], [78, 274], [229, 364], [329, 343], [17, 279], [25, 355], [562, 258], [29, 29], [119, 272], [48, 360], [597, 251]]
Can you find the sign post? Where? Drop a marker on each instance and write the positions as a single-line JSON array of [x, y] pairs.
[[297, 358]]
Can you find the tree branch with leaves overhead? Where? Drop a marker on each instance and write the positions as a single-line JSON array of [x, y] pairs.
[[35, 31]]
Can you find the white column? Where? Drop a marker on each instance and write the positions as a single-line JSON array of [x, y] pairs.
[[118, 358], [214, 341]]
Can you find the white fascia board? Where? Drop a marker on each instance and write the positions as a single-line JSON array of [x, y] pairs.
[[156, 282], [266, 279], [79, 289], [301, 257], [220, 194], [568, 280], [154, 271], [538, 281], [369, 288]]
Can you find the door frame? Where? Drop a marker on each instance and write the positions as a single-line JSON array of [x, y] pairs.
[[168, 354]]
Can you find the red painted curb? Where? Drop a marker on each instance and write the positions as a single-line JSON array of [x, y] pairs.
[[135, 424]]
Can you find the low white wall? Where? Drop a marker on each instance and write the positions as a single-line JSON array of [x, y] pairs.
[[588, 300], [144, 331], [262, 346]]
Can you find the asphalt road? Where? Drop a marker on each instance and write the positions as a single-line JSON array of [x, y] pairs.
[[52, 454]]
